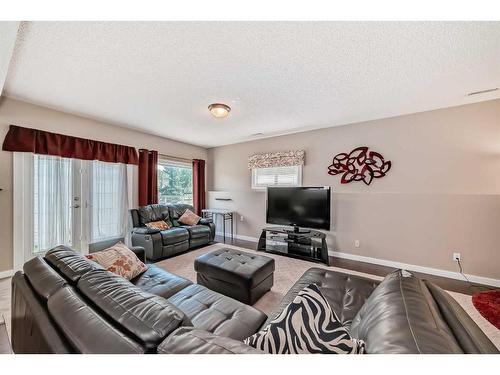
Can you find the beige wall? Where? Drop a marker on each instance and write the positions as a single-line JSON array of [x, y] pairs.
[[441, 195], [24, 114]]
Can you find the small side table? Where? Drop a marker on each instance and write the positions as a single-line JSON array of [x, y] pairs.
[[5, 347], [212, 213]]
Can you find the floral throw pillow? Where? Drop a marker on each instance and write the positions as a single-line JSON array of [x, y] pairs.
[[120, 260], [189, 218], [160, 225]]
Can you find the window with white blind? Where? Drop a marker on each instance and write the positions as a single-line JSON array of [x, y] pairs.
[[276, 176]]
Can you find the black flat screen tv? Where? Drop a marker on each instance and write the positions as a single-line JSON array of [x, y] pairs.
[[307, 207]]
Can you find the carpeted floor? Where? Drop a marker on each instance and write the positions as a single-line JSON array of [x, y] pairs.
[[289, 270]]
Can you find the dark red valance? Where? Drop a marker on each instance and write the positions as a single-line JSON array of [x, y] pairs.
[[41, 142]]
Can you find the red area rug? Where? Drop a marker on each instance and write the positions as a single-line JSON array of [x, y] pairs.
[[488, 304]]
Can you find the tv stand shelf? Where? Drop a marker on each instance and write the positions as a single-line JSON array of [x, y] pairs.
[[307, 245]]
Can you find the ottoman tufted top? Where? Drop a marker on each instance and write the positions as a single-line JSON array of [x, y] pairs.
[[235, 267]]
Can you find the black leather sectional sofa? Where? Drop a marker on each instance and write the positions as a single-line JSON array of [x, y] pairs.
[[400, 315], [64, 303], [166, 243]]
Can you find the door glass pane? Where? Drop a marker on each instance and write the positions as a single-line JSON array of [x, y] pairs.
[[175, 182], [52, 200], [108, 199]]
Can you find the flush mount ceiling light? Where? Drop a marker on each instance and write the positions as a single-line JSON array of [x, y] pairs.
[[219, 110]]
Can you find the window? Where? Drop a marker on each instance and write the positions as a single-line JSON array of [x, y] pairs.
[[175, 181], [108, 199], [52, 199], [276, 176]]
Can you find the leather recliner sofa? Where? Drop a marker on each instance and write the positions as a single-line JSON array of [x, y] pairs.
[[64, 303], [400, 315], [166, 243]]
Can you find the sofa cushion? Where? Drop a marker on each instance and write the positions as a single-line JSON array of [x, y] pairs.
[[42, 277], [86, 330], [401, 317], [235, 267], [213, 312], [153, 212], [345, 293], [160, 282], [197, 231], [189, 340], [69, 263], [120, 260], [150, 318], [174, 235], [308, 325]]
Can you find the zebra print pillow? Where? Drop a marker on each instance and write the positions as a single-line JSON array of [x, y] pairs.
[[307, 325]]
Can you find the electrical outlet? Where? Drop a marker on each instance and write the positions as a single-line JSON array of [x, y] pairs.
[[456, 257], [242, 218], [356, 243]]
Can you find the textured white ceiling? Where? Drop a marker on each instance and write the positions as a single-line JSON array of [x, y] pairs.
[[277, 77], [8, 33]]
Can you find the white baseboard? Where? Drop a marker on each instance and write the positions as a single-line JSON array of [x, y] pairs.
[[421, 269], [238, 237], [247, 238], [8, 273], [390, 263]]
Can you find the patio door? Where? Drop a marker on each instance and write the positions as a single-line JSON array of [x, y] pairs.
[[62, 201], [51, 204]]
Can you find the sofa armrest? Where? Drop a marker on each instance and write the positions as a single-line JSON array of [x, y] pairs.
[[209, 223], [140, 252], [468, 334], [145, 230], [188, 340]]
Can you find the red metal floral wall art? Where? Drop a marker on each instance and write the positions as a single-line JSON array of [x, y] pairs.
[[359, 165]]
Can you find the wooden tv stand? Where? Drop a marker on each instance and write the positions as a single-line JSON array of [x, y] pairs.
[[307, 245]]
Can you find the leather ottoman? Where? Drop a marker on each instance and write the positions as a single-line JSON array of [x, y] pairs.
[[234, 273]]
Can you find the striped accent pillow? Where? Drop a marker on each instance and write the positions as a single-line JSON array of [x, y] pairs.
[[307, 325]]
